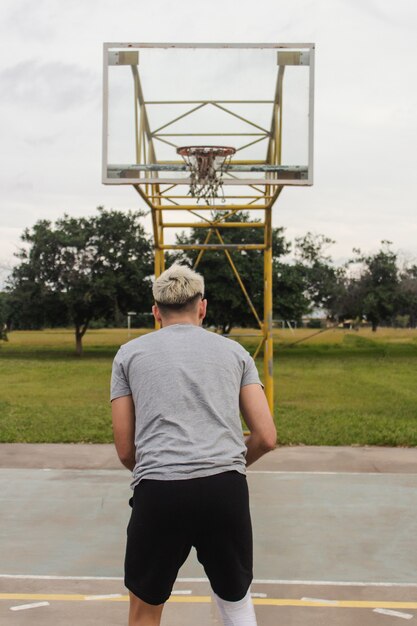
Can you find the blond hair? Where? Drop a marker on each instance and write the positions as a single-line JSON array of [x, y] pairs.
[[178, 286]]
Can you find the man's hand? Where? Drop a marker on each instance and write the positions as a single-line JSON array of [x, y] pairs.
[[255, 410], [123, 418]]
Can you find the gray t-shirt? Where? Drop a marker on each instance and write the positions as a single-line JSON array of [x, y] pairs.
[[185, 384]]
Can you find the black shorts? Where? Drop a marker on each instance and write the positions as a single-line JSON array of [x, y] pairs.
[[169, 517]]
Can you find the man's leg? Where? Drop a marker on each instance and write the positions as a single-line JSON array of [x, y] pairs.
[[143, 614], [240, 613], [157, 545], [224, 546]]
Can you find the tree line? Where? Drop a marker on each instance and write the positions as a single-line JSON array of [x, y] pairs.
[[91, 271]]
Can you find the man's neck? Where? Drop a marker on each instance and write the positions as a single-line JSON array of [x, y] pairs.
[[180, 320]]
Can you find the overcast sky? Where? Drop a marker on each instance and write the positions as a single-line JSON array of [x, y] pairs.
[[365, 186]]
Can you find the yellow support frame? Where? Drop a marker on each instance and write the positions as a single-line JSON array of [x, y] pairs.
[[260, 197]]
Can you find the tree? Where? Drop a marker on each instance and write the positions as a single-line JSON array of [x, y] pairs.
[[407, 294], [374, 292], [310, 281], [290, 294], [380, 285], [349, 302], [82, 268], [322, 278], [3, 315], [227, 304]]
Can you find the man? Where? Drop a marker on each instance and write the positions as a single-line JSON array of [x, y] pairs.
[[176, 395]]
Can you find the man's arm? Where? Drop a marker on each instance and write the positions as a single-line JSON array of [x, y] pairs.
[[255, 410], [123, 418]]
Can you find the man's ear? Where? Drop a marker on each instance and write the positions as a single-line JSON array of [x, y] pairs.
[[156, 313], [202, 309]]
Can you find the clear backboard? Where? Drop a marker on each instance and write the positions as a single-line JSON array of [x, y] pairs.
[[256, 98]]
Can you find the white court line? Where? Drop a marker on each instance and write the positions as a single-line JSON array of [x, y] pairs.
[[260, 581], [323, 583], [332, 473], [334, 583], [23, 607], [321, 600], [393, 613], [181, 592]]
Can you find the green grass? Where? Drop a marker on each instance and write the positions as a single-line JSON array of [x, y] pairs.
[[336, 388]]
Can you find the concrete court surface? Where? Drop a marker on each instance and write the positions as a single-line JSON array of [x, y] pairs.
[[334, 533]]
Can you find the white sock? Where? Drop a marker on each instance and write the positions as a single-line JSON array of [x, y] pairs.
[[240, 613]]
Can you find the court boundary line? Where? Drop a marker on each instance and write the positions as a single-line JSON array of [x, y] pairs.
[[256, 581], [293, 602], [327, 473]]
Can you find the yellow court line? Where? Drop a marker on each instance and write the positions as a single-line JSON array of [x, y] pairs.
[[358, 604], [44, 596]]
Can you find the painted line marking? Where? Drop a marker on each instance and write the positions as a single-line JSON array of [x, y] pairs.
[[258, 595], [320, 600], [53, 577], [23, 607], [332, 583], [104, 596], [181, 592], [256, 581], [393, 613], [76, 597], [370, 604], [324, 473]]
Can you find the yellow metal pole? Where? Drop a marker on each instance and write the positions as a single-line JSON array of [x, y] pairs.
[[141, 134], [267, 325], [159, 265], [208, 207], [259, 347], [159, 237], [137, 131], [213, 246], [161, 240], [159, 260], [159, 254], [209, 224]]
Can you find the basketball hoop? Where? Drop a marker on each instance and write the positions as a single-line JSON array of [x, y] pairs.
[[207, 165]]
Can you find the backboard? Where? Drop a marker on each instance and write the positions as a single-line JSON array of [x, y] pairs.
[[257, 98]]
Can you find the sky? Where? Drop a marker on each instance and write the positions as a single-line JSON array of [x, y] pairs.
[[365, 109]]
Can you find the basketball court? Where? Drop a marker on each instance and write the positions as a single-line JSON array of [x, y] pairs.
[[334, 533]]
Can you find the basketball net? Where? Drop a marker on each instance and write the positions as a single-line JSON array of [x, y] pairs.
[[207, 164]]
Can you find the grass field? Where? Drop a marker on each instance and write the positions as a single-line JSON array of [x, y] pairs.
[[334, 388]]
